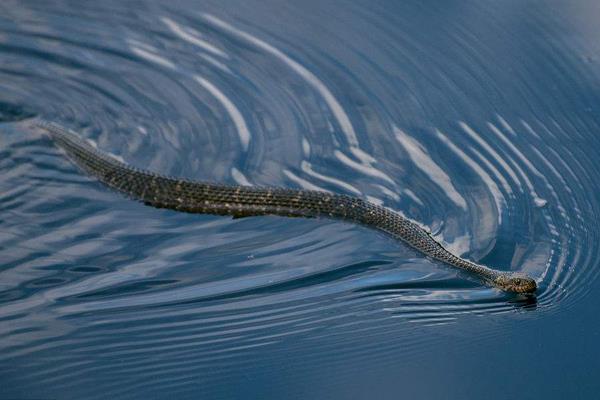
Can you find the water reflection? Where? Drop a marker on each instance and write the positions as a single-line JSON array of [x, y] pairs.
[[419, 114]]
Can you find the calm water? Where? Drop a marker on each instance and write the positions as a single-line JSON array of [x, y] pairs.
[[478, 119]]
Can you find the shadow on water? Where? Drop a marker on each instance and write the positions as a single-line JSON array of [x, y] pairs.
[[524, 301]]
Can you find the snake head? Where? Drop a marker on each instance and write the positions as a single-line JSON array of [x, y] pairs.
[[515, 283]]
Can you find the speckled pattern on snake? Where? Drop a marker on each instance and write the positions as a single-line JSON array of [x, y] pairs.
[[241, 201]]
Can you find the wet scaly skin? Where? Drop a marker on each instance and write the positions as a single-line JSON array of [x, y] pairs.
[[241, 201]]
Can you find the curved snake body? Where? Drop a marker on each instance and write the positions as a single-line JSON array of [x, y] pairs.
[[241, 201]]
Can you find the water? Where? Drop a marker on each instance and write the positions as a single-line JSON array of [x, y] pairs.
[[480, 120]]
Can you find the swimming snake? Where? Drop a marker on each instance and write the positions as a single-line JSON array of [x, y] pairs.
[[243, 201]]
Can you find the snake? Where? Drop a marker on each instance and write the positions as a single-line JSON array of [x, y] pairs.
[[162, 191]]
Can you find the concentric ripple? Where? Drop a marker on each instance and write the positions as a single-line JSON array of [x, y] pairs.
[[494, 155]]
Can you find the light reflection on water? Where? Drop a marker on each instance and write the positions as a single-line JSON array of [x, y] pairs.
[[493, 154]]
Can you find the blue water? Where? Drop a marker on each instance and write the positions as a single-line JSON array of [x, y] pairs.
[[478, 119]]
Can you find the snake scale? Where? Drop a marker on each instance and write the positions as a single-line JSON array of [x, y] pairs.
[[241, 201]]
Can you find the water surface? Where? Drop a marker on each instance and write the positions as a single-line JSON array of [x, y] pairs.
[[479, 120]]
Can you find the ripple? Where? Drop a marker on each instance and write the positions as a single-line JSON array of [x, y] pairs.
[[100, 289]]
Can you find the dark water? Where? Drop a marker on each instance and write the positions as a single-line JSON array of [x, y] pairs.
[[478, 119]]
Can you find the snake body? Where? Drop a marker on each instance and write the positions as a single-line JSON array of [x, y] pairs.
[[242, 201]]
